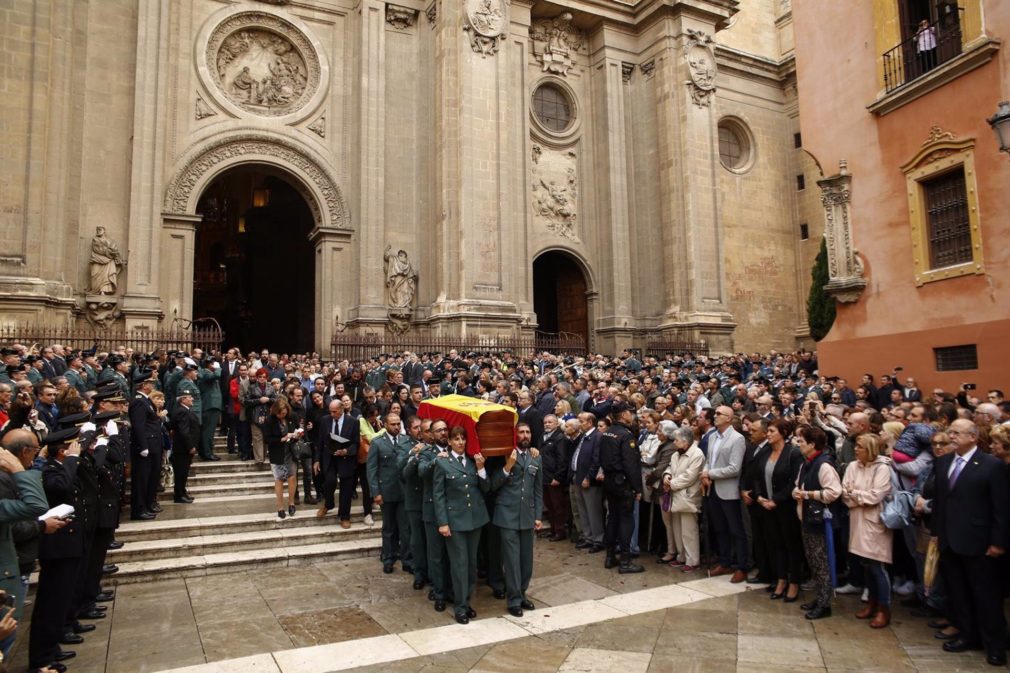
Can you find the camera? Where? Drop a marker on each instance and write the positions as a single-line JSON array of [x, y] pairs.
[[969, 386]]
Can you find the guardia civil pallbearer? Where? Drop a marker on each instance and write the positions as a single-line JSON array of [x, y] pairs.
[[459, 481], [517, 514], [386, 457]]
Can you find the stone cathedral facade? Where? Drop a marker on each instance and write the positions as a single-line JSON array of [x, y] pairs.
[[628, 170]]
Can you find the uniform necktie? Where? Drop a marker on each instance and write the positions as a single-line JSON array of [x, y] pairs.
[[958, 466]]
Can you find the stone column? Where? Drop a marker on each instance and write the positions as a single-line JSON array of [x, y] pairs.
[[371, 304], [616, 322], [685, 72], [475, 166], [141, 302], [178, 242], [335, 282], [845, 268]]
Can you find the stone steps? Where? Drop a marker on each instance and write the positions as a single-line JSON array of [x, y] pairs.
[[210, 525], [190, 538]]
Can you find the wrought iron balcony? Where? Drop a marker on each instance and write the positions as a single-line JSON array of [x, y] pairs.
[[923, 52]]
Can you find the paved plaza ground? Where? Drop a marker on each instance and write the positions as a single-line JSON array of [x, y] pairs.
[[348, 615]]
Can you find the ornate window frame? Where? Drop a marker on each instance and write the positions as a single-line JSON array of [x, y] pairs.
[[572, 131], [748, 145], [941, 153]]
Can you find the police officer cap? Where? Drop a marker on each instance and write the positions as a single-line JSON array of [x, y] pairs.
[[104, 416], [5, 351], [14, 369], [621, 407], [90, 352], [31, 359], [104, 395], [191, 366], [183, 393], [142, 374], [115, 360], [74, 420], [62, 436], [74, 355]]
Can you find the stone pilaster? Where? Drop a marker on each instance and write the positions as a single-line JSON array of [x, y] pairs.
[[694, 275], [141, 303], [335, 282], [178, 243]]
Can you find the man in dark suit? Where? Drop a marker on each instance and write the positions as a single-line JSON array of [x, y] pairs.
[[529, 414], [911, 392], [145, 451], [555, 471], [186, 434], [336, 458], [229, 370], [585, 469], [970, 520]]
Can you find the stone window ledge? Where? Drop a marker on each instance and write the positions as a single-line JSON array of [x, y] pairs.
[[975, 55]]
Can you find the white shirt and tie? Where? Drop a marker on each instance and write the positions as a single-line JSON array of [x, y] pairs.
[[461, 457], [957, 466]]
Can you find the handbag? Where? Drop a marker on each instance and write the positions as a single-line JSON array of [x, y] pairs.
[[666, 502], [260, 416], [932, 562], [813, 513], [302, 450], [897, 510]]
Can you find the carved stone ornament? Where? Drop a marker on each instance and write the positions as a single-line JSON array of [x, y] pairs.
[[202, 110], [179, 197], [648, 68], [936, 134], [101, 310], [555, 42], [627, 70], [401, 288], [701, 67], [400, 18], [263, 64], [485, 23], [845, 268], [555, 191], [432, 14], [319, 126]]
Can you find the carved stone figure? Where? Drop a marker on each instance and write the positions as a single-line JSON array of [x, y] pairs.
[[202, 110], [485, 23], [401, 286], [263, 64], [555, 192], [554, 43], [105, 264], [701, 67]]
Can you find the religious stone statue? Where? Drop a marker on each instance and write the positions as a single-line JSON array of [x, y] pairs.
[[401, 284], [106, 263]]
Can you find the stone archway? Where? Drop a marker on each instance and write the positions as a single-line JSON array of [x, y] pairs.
[[308, 174], [212, 158], [563, 294]]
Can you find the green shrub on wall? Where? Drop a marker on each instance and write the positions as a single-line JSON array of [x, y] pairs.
[[820, 305]]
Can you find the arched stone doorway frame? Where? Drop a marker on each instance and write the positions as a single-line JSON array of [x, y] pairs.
[[307, 172], [592, 294]]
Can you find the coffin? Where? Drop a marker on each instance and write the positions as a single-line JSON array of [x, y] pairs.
[[490, 427]]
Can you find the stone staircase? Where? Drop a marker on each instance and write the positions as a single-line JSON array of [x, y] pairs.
[[233, 527]]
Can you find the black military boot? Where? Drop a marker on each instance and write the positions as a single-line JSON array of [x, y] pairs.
[[627, 566], [611, 560]]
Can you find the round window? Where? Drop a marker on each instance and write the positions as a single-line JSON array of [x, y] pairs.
[[552, 108], [734, 146]]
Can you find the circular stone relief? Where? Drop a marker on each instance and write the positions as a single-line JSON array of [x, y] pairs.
[[263, 64]]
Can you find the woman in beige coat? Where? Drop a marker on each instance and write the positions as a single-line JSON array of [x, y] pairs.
[[682, 480], [866, 484]]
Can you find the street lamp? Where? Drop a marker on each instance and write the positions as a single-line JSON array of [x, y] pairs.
[[1000, 123]]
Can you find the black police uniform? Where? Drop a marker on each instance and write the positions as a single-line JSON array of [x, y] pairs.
[[622, 481]]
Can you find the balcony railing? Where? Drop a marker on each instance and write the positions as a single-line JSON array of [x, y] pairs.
[[922, 52]]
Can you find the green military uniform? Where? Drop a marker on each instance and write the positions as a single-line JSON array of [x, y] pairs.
[[90, 377], [75, 380], [110, 374], [209, 382], [438, 560], [171, 385], [459, 504], [34, 376], [518, 506], [413, 499], [188, 387], [386, 456]]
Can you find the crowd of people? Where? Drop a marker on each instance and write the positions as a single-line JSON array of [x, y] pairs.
[[754, 467]]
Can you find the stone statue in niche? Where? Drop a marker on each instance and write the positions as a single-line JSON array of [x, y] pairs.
[[261, 70], [485, 22], [105, 264], [701, 67], [401, 286], [555, 192], [554, 43]]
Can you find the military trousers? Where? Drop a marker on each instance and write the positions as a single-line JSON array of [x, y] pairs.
[[489, 555], [418, 546], [517, 553], [208, 426], [438, 561], [395, 536], [53, 598], [620, 521], [461, 548]]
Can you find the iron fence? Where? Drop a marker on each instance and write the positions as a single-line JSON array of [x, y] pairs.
[[661, 348], [357, 347], [199, 334]]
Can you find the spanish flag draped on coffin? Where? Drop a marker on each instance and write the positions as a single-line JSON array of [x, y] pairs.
[[490, 427]]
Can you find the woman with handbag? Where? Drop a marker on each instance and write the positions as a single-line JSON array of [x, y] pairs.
[[867, 483], [682, 483], [817, 486], [259, 397], [652, 479], [280, 434]]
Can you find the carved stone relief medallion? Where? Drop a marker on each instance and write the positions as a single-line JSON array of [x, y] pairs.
[[555, 42], [701, 66], [485, 23], [263, 64]]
